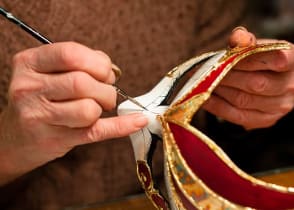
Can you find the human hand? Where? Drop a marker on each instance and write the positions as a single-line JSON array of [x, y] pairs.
[[259, 90], [56, 97]]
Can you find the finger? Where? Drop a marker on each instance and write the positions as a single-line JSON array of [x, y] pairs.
[[113, 127], [249, 119], [242, 100], [265, 83], [103, 129], [277, 60], [68, 56], [72, 114], [240, 37], [79, 85]]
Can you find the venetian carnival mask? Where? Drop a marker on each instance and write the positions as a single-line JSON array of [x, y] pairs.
[[192, 161], [198, 173]]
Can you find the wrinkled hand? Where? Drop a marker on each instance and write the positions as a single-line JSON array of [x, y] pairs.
[[259, 90], [56, 96]]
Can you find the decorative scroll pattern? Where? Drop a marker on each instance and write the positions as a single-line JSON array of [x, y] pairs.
[[145, 177], [188, 182]]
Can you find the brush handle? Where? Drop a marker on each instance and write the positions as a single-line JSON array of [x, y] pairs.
[[24, 26], [44, 40]]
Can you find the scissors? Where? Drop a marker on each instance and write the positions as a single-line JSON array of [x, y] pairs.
[[45, 40]]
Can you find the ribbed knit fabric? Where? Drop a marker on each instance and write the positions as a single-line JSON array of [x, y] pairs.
[[145, 38]]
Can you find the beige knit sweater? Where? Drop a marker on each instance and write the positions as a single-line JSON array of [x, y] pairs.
[[146, 38]]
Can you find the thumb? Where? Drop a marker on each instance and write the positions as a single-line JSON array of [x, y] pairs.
[[240, 37], [114, 127]]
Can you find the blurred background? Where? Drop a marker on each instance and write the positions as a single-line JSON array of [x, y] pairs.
[[274, 19]]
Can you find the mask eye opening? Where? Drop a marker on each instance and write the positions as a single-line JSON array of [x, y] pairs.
[[181, 81]]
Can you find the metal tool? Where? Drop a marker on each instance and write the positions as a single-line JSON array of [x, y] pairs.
[[126, 96], [24, 26], [45, 40]]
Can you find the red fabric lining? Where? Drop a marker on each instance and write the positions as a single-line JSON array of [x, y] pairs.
[[222, 179], [206, 83]]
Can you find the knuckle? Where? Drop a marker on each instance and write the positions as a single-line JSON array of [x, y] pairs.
[[259, 83], [89, 111], [285, 108], [105, 66], [50, 113], [22, 59], [242, 118], [106, 130], [16, 93], [47, 111], [242, 100], [78, 79], [104, 74], [96, 133], [18, 58], [29, 117], [21, 88], [68, 54], [105, 59]]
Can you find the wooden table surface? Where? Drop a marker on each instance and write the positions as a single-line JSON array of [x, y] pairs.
[[140, 202]]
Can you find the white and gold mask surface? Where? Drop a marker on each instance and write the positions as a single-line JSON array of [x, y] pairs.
[[198, 174]]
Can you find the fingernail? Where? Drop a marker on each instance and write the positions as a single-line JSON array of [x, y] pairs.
[[140, 120], [239, 28], [240, 37]]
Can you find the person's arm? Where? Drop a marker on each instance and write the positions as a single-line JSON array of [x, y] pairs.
[[56, 96], [260, 89]]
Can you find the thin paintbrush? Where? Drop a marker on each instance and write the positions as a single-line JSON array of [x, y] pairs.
[[44, 40], [24, 26]]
